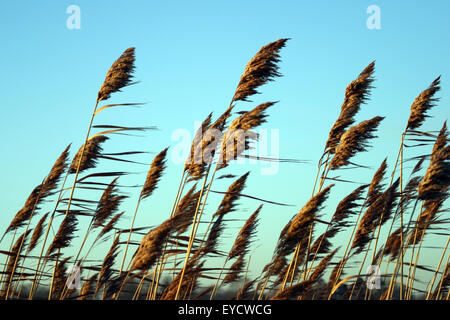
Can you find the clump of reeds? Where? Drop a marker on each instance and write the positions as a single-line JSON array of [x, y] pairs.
[[292, 272]]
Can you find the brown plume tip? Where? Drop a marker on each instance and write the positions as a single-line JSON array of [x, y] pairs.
[[37, 233], [259, 70], [118, 76], [354, 140], [91, 152], [437, 177], [154, 174], [356, 93], [424, 102]]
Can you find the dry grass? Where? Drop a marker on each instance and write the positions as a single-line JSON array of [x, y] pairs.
[[181, 258]]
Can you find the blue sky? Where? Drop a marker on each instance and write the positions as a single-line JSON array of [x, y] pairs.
[[189, 57]]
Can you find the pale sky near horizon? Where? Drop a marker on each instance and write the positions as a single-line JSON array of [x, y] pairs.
[[189, 57]]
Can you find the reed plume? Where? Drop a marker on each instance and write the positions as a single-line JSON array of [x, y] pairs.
[[59, 279], [184, 213], [15, 256], [427, 218], [154, 174], [108, 262], [151, 246], [376, 184], [37, 233], [211, 243], [392, 245], [235, 270], [109, 226], [239, 134], [319, 270], [195, 164], [259, 70], [354, 140], [190, 276], [228, 203], [108, 204], [293, 292], [88, 289], [118, 76], [376, 215], [437, 176], [345, 208], [245, 292], [422, 104], [298, 229], [245, 235], [87, 155], [24, 214], [356, 94], [64, 235]]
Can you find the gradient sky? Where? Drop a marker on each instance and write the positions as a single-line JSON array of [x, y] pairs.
[[189, 57]]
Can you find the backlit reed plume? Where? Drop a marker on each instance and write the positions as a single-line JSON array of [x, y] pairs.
[[151, 245], [212, 241], [60, 278], [323, 264], [376, 184], [154, 174], [190, 277], [40, 192], [239, 134], [15, 256], [243, 239], [25, 213], [377, 214], [37, 233], [345, 209], [259, 70], [427, 218], [293, 292], [235, 271], [298, 229], [108, 205], [228, 203], [240, 247], [422, 104], [392, 245], [245, 293], [356, 94], [65, 234], [51, 181], [437, 176], [91, 150], [354, 140], [109, 226], [184, 213], [108, 262], [195, 164], [118, 76], [88, 288]]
